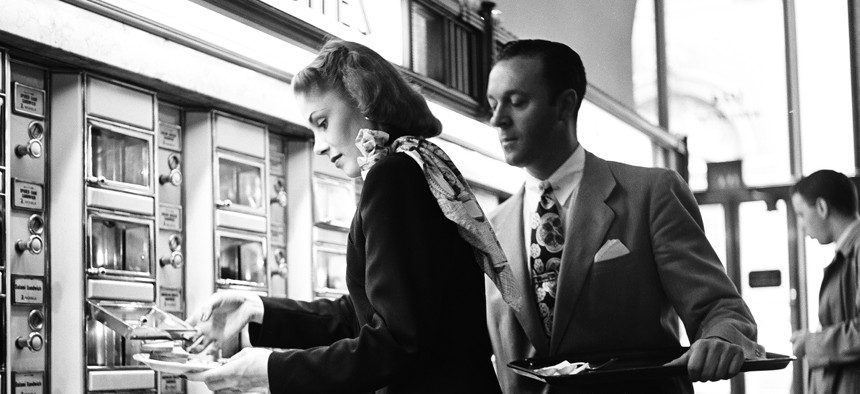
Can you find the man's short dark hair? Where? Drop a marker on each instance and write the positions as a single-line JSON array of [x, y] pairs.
[[834, 187], [562, 66]]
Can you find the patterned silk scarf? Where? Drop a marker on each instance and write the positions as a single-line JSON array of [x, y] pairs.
[[454, 197]]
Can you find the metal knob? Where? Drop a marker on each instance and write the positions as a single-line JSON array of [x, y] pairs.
[[174, 178], [100, 180], [175, 259], [32, 149], [100, 271], [280, 199], [34, 342], [223, 203], [32, 245], [282, 269]]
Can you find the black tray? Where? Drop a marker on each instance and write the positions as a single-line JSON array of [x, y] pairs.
[[629, 366]]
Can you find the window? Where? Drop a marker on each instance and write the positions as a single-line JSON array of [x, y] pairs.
[[446, 49]]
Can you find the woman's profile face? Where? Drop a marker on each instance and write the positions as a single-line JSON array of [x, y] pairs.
[[335, 123]]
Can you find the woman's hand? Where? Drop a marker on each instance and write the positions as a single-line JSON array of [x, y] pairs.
[[245, 371], [223, 316]]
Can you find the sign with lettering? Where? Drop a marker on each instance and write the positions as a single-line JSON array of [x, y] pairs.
[[29, 101], [768, 278], [276, 163], [279, 234], [28, 382], [27, 290], [170, 299], [27, 195], [170, 217], [169, 136], [171, 384]]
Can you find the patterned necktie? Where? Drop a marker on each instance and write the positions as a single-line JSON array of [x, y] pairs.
[[547, 242]]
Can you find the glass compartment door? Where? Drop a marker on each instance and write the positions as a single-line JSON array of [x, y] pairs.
[[329, 270], [107, 347], [241, 260], [119, 158], [120, 245], [240, 185]]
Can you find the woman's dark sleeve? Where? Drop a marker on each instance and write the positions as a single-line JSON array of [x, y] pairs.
[[397, 212], [297, 324]]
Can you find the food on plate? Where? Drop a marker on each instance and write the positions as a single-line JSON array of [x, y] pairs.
[[172, 351], [562, 368], [175, 354]]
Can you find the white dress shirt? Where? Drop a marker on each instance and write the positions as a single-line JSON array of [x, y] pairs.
[[565, 187]]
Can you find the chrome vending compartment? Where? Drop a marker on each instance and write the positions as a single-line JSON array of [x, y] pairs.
[[241, 260], [120, 246], [119, 187], [240, 185], [119, 157]]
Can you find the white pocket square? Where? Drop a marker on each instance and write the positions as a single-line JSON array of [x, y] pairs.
[[610, 250]]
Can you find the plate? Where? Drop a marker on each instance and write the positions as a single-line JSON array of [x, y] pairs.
[[631, 366], [171, 367]]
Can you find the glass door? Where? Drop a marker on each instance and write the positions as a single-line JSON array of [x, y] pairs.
[[765, 286], [754, 234]]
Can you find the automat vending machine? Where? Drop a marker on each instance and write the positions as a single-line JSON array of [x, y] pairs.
[[118, 178], [227, 194], [25, 250]]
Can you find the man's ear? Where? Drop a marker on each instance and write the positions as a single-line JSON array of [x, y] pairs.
[[568, 104], [822, 208]]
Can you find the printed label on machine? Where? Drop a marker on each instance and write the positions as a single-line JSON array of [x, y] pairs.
[[27, 195], [29, 101], [276, 163], [169, 136], [28, 382], [171, 384], [171, 299], [170, 217], [279, 234], [27, 290]]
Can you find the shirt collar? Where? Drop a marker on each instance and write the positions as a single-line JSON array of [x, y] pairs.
[[563, 180], [843, 238]]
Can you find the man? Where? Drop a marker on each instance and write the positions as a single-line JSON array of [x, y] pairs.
[[826, 206], [607, 253]]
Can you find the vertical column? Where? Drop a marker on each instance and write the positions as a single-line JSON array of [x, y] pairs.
[[67, 284]]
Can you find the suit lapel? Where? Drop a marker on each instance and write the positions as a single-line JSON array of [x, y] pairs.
[[587, 225], [509, 228]]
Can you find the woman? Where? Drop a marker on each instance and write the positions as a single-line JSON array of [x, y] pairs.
[[414, 319]]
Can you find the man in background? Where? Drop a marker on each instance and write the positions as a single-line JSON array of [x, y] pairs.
[[826, 206], [607, 255]]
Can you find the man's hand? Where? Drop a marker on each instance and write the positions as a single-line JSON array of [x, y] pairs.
[[798, 342], [247, 370], [711, 359]]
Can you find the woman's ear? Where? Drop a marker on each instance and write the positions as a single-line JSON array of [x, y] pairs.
[[568, 104], [374, 125]]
